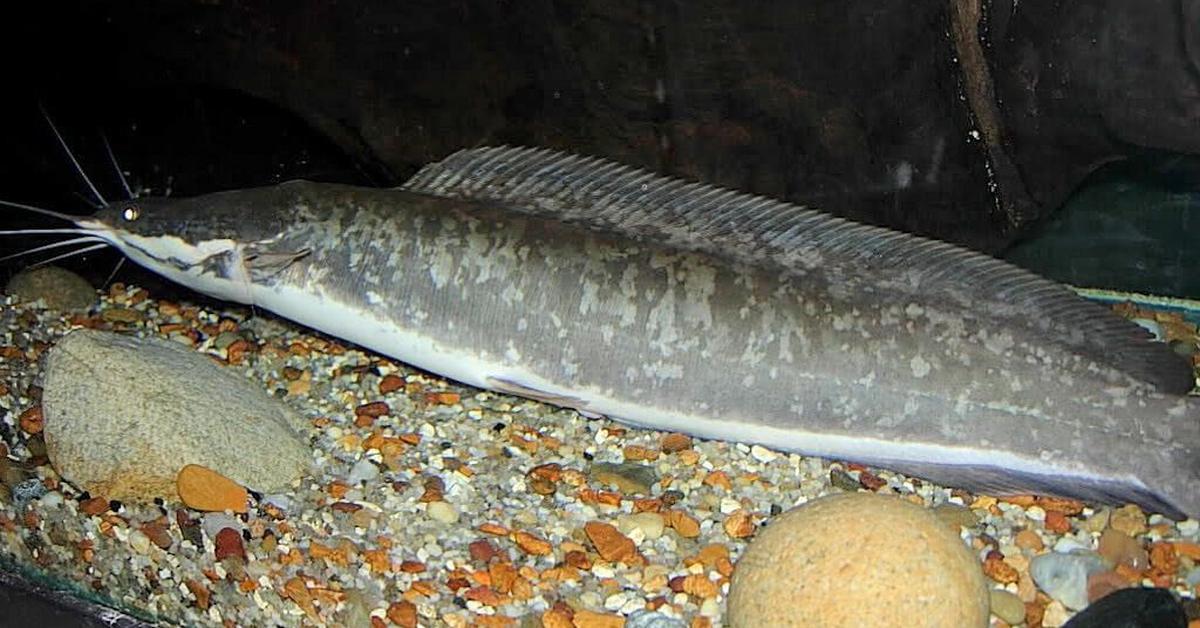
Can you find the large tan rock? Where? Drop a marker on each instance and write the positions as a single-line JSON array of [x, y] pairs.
[[855, 560], [125, 414]]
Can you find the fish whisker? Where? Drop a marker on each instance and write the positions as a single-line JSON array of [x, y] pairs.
[[86, 249], [120, 263], [116, 166], [51, 246], [42, 231], [78, 168], [39, 210]]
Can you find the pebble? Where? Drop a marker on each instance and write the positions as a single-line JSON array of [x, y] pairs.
[[610, 544], [1098, 521], [363, 471], [649, 619], [1132, 608], [651, 525], [212, 523], [627, 477], [905, 564], [956, 516], [1007, 606], [1064, 577], [762, 454], [57, 288], [1029, 540], [1128, 519], [441, 511], [125, 414], [139, 542], [1122, 549], [201, 488], [27, 491]]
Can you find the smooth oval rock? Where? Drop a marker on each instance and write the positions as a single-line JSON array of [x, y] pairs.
[[858, 559], [125, 414], [1007, 606], [57, 288], [1064, 577]]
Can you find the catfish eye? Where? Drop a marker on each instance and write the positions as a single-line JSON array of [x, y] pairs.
[[131, 213]]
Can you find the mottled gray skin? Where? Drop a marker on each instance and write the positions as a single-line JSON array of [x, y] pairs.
[[684, 335]]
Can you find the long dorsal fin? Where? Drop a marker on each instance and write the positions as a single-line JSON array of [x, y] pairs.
[[604, 194]]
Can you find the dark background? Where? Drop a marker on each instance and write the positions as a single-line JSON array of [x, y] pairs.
[[970, 121]]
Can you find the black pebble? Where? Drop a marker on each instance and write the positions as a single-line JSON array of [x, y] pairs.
[[1132, 608]]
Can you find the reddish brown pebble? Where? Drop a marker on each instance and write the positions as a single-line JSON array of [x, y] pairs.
[[412, 566], [699, 585], [1057, 522], [32, 421], [870, 481], [578, 559], [1034, 612], [1163, 558], [1028, 539], [229, 543], [203, 489], [531, 544], [684, 524], [1189, 549], [93, 506], [454, 584], [442, 398], [1122, 549], [504, 577], [345, 507], [718, 478], [484, 595], [494, 529], [375, 409], [402, 614], [675, 442], [609, 542], [636, 453], [739, 524], [591, 619], [996, 569], [200, 591], [158, 534], [482, 550], [236, 351], [557, 618], [390, 383]]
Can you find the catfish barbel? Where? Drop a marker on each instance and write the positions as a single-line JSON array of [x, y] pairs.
[[685, 307]]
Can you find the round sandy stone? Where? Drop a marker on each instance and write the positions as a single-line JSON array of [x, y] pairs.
[[858, 559]]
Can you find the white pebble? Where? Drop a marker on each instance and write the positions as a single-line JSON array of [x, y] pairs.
[[649, 524], [139, 542], [1035, 513], [442, 511], [363, 471], [51, 500], [1188, 527], [615, 601], [762, 454]]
